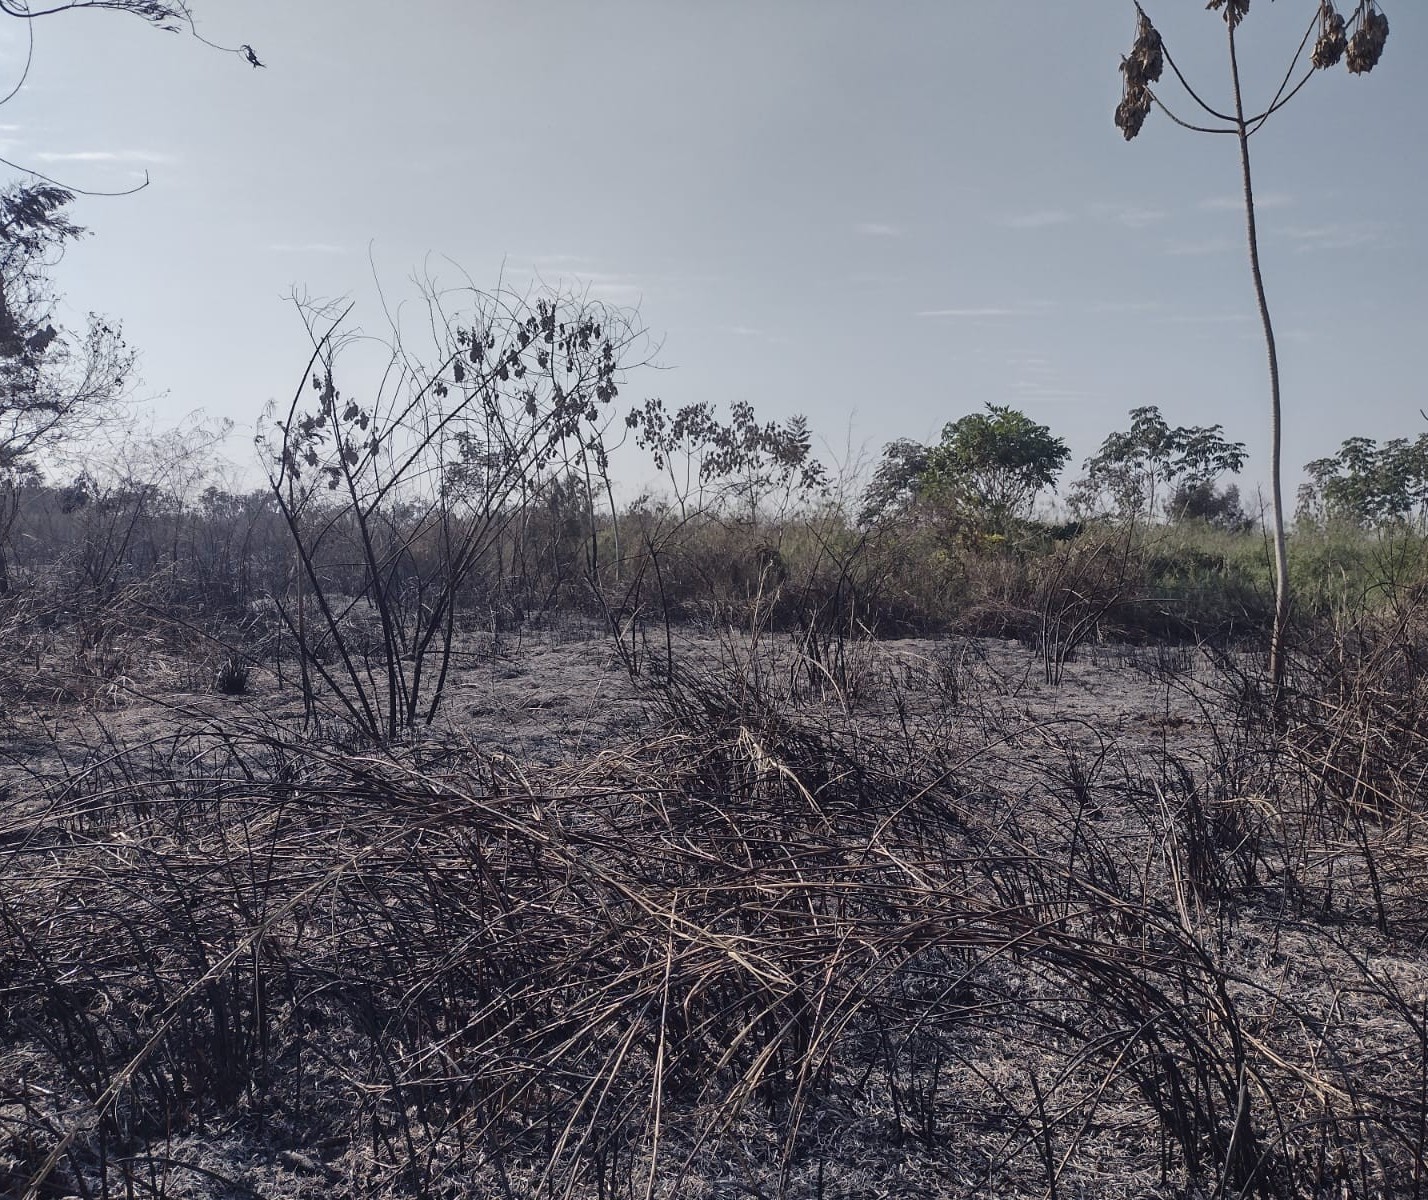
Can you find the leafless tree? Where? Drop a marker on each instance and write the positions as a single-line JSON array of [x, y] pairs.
[[412, 488]]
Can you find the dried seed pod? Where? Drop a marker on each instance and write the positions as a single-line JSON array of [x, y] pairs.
[[1147, 56], [1366, 46], [1139, 69], [1332, 40], [1235, 10], [1132, 110]]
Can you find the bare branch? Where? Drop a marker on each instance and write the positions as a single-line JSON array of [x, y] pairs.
[[1280, 99], [1194, 95], [1160, 104]]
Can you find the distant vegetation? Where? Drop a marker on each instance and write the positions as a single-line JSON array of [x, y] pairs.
[[476, 489], [477, 493]]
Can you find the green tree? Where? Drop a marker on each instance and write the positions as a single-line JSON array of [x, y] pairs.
[[897, 482], [711, 463], [1367, 484], [1219, 508], [994, 463], [1135, 470], [1142, 68]]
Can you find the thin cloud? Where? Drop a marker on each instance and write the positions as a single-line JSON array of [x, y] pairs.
[[1042, 219], [104, 156], [307, 248], [756, 335], [1236, 203], [1128, 215], [1038, 379], [877, 278], [1332, 236], [1125, 306], [878, 229], [1035, 364], [1033, 391], [1201, 246], [575, 271], [977, 313], [618, 289], [1229, 318]]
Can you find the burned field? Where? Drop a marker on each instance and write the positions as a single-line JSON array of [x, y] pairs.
[[725, 914], [509, 778]]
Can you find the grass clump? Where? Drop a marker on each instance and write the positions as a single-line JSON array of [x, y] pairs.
[[232, 677]]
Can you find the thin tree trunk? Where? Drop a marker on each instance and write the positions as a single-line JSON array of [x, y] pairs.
[[1276, 489]]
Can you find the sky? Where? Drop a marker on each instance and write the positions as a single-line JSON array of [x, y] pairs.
[[880, 216]]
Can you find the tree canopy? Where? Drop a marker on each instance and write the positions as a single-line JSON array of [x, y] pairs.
[[991, 464], [996, 462], [898, 480], [1134, 470], [709, 461], [1368, 484]]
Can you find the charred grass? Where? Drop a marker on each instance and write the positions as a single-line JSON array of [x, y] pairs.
[[826, 926]]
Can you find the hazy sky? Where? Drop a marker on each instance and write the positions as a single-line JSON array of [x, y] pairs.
[[883, 216]]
